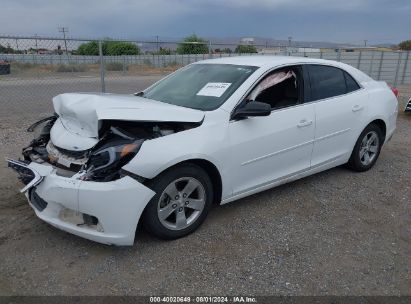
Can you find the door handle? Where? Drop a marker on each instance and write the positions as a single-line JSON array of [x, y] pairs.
[[357, 108], [304, 123]]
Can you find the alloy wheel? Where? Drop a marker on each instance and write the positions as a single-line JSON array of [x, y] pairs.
[[181, 203], [369, 148]]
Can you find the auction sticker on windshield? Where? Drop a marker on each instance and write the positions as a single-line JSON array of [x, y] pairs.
[[215, 89]]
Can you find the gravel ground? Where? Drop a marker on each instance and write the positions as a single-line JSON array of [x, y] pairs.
[[334, 233]]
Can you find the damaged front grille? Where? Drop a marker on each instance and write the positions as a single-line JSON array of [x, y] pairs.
[[66, 158], [75, 154]]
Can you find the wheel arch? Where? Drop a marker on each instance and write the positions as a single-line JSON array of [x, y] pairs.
[[212, 171], [377, 121], [214, 175], [381, 124]]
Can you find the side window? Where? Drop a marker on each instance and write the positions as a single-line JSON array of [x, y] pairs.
[[352, 85], [326, 81], [280, 89]]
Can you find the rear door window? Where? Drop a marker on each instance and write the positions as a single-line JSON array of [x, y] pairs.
[[352, 85], [326, 81]]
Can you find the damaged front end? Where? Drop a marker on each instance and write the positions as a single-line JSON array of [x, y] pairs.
[[73, 167], [118, 142], [84, 190]]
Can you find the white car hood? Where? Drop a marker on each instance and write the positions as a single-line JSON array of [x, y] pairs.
[[80, 113]]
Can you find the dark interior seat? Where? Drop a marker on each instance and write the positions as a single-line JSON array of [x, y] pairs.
[[280, 95]]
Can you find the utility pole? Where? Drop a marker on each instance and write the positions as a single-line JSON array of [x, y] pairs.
[[37, 49], [158, 50], [365, 42], [289, 40], [64, 30]]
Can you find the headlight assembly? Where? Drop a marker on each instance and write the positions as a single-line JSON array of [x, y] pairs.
[[107, 158], [43, 126]]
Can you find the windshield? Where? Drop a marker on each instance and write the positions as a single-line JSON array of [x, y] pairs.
[[200, 86]]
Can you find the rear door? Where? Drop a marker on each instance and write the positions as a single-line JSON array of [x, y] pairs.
[[339, 108]]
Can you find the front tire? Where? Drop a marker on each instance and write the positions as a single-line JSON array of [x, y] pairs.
[[366, 149], [183, 198]]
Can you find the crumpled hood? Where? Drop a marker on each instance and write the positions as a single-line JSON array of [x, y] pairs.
[[80, 112]]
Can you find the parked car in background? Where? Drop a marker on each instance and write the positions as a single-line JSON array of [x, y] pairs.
[[4, 67], [408, 106], [212, 132]]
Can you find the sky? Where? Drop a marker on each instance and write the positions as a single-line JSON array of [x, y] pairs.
[[343, 21]]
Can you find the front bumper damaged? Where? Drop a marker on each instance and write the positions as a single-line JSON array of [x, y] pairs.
[[105, 212]]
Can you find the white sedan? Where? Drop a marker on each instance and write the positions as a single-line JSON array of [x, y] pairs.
[[212, 132]]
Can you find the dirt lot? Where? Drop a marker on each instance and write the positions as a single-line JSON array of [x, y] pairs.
[[334, 233]]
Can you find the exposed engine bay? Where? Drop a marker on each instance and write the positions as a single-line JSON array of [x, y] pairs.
[[118, 142]]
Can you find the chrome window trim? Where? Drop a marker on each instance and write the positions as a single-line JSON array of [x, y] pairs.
[[299, 104]]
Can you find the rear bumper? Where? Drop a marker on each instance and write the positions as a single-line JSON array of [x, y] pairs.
[[116, 206], [391, 124]]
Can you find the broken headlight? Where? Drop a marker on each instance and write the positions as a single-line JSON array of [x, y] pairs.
[[106, 160], [36, 150]]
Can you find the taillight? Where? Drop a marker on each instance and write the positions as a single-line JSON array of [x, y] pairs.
[[395, 91]]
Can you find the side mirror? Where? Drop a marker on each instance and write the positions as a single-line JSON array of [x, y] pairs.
[[251, 109]]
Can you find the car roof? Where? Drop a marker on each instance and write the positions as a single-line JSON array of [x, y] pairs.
[[268, 62]]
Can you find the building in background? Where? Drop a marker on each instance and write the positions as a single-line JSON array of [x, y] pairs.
[[247, 41]]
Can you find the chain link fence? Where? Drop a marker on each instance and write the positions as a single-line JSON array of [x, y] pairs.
[[34, 69]]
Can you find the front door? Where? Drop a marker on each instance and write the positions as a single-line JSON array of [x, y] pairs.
[[271, 148]]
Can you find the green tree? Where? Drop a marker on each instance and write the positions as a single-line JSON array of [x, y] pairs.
[[192, 45], [88, 48], [118, 48], [245, 49], [111, 48], [6, 49], [405, 45]]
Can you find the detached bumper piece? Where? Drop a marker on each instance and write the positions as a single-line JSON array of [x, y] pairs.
[[27, 175], [408, 106]]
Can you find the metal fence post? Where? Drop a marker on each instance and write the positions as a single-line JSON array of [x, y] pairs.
[[405, 68], [359, 60], [371, 64], [100, 51], [380, 66], [397, 69]]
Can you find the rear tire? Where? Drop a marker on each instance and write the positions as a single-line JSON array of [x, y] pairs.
[[366, 149], [183, 198]]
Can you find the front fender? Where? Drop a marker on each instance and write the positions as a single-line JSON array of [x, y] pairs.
[[207, 142]]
